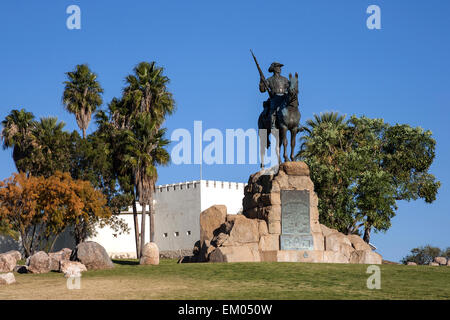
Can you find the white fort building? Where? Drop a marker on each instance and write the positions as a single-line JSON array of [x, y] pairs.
[[177, 210]]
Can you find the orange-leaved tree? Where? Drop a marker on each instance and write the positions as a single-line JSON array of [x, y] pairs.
[[40, 209]]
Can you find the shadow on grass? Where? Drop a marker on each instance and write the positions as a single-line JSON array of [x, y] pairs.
[[126, 262]]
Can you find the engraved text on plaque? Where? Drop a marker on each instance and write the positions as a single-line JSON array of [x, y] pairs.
[[295, 220]]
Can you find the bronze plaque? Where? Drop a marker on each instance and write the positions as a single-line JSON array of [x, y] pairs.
[[295, 220]]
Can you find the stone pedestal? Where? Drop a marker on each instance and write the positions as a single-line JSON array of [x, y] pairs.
[[280, 223]]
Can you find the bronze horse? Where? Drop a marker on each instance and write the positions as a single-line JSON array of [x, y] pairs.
[[287, 119]]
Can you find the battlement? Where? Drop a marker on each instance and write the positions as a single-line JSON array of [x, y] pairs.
[[214, 191], [223, 184], [178, 186], [197, 183]]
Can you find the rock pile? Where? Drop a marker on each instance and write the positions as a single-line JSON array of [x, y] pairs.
[[87, 255], [41, 262], [255, 235], [8, 262], [437, 261]]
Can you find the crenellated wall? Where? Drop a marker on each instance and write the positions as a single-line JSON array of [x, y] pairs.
[[177, 210]]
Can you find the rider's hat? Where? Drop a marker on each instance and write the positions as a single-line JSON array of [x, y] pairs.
[[275, 64]]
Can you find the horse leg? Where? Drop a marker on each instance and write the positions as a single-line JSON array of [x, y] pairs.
[[283, 140], [283, 136], [293, 136], [276, 134], [262, 150]]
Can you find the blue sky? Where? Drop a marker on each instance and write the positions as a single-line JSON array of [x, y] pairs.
[[399, 73]]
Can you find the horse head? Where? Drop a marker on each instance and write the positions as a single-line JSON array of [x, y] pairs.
[[293, 90]]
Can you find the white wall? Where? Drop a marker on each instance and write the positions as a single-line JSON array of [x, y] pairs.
[[219, 192], [177, 211], [121, 244]]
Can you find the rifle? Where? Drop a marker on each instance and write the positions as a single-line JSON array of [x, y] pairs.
[[261, 75]]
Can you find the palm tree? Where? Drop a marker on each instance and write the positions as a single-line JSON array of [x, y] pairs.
[[82, 95], [132, 125], [146, 91], [160, 157], [328, 119], [144, 106], [145, 149], [17, 134]]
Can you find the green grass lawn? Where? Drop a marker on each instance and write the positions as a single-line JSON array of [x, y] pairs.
[[170, 280]]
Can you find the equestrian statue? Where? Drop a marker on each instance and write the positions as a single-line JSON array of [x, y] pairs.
[[280, 112]]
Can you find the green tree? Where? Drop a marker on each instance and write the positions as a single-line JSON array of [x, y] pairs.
[[82, 95], [322, 148], [52, 145], [361, 168], [112, 126], [446, 253], [332, 119], [90, 160], [91, 156], [17, 134], [39, 147], [425, 255]]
